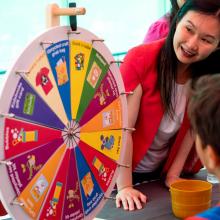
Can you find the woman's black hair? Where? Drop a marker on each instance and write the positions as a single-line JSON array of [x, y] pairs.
[[174, 9], [167, 60]]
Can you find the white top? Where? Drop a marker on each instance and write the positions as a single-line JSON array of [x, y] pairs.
[[168, 127]]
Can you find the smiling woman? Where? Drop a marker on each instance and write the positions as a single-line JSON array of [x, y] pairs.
[[162, 144]]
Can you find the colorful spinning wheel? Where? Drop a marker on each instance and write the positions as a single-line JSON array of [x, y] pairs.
[[62, 128]]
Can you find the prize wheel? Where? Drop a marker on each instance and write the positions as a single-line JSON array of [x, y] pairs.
[[63, 127]]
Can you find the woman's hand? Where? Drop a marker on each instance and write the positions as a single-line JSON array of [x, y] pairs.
[[130, 199]]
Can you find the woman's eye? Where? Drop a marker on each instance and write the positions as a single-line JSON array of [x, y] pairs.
[[206, 41], [188, 29]]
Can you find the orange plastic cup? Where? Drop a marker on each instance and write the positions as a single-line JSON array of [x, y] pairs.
[[190, 197]]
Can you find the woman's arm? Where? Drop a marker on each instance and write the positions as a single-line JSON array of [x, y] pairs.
[[127, 195], [178, 163]]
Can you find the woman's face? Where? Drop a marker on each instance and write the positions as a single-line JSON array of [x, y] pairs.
[[197, 35]]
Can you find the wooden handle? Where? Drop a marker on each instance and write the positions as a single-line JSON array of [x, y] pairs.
[[54, 12], [67, 11]]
